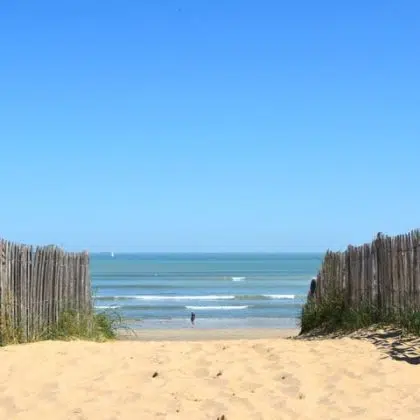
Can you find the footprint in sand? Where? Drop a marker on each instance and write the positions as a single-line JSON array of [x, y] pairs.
[[250, 370], [211, 406], [245, 403], [288, 379], [49, 389], [250, 386], [326, 401], [195, 348], [273, 357], [201, 373], [8, 404], [290, 385], [173, 406], [351, 374], [373, 390], [77, 413], [260, 348], [292, 363], [203, 362], [357, 411]]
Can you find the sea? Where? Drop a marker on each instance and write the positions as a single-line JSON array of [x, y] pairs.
[[156, 291]]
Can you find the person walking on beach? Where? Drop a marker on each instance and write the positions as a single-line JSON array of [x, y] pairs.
[[192, 318]]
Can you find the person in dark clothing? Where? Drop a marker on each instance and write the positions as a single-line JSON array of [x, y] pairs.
[[192, 318], [312, 288]]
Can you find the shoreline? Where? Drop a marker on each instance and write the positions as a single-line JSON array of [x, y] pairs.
[[222, 323], [197, 334]]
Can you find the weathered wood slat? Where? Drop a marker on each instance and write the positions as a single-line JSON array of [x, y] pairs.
[[385, 273], [416, 246], [37, 285]]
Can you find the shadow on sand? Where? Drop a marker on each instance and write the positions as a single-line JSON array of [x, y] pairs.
[[396, 345], [391, 341]]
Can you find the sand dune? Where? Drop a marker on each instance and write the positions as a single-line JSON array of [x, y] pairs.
[[268, 378]]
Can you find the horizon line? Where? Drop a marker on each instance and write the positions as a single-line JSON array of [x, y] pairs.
[[206, 252]]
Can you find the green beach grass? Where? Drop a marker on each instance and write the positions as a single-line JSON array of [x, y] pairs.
[[71, 325], [332, 314]]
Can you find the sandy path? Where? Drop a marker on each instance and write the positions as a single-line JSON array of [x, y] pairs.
[[241, 379]]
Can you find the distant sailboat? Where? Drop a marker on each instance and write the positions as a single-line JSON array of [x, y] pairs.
[[112, 255]]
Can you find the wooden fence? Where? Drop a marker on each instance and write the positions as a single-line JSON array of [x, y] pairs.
[[385, 273], [37, 284]]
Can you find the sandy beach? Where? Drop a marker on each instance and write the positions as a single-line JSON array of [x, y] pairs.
[[197, 334], [253, 377]]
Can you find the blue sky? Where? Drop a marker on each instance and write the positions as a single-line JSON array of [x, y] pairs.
[[196, 125]]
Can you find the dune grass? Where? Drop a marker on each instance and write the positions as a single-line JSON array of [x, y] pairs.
[[91, 326], [70, 325], [333, 314]]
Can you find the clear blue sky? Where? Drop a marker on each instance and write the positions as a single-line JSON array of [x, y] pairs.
[[193, 125]]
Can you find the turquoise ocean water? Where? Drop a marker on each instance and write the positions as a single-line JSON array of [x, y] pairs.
[[223, 290]]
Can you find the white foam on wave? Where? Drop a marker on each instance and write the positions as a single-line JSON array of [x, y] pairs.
[[280, 296], [238, 278], [216, 308], [157, 297], [107, 307]]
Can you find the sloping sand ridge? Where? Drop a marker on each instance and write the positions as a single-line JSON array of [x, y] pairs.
[[270, 378]]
